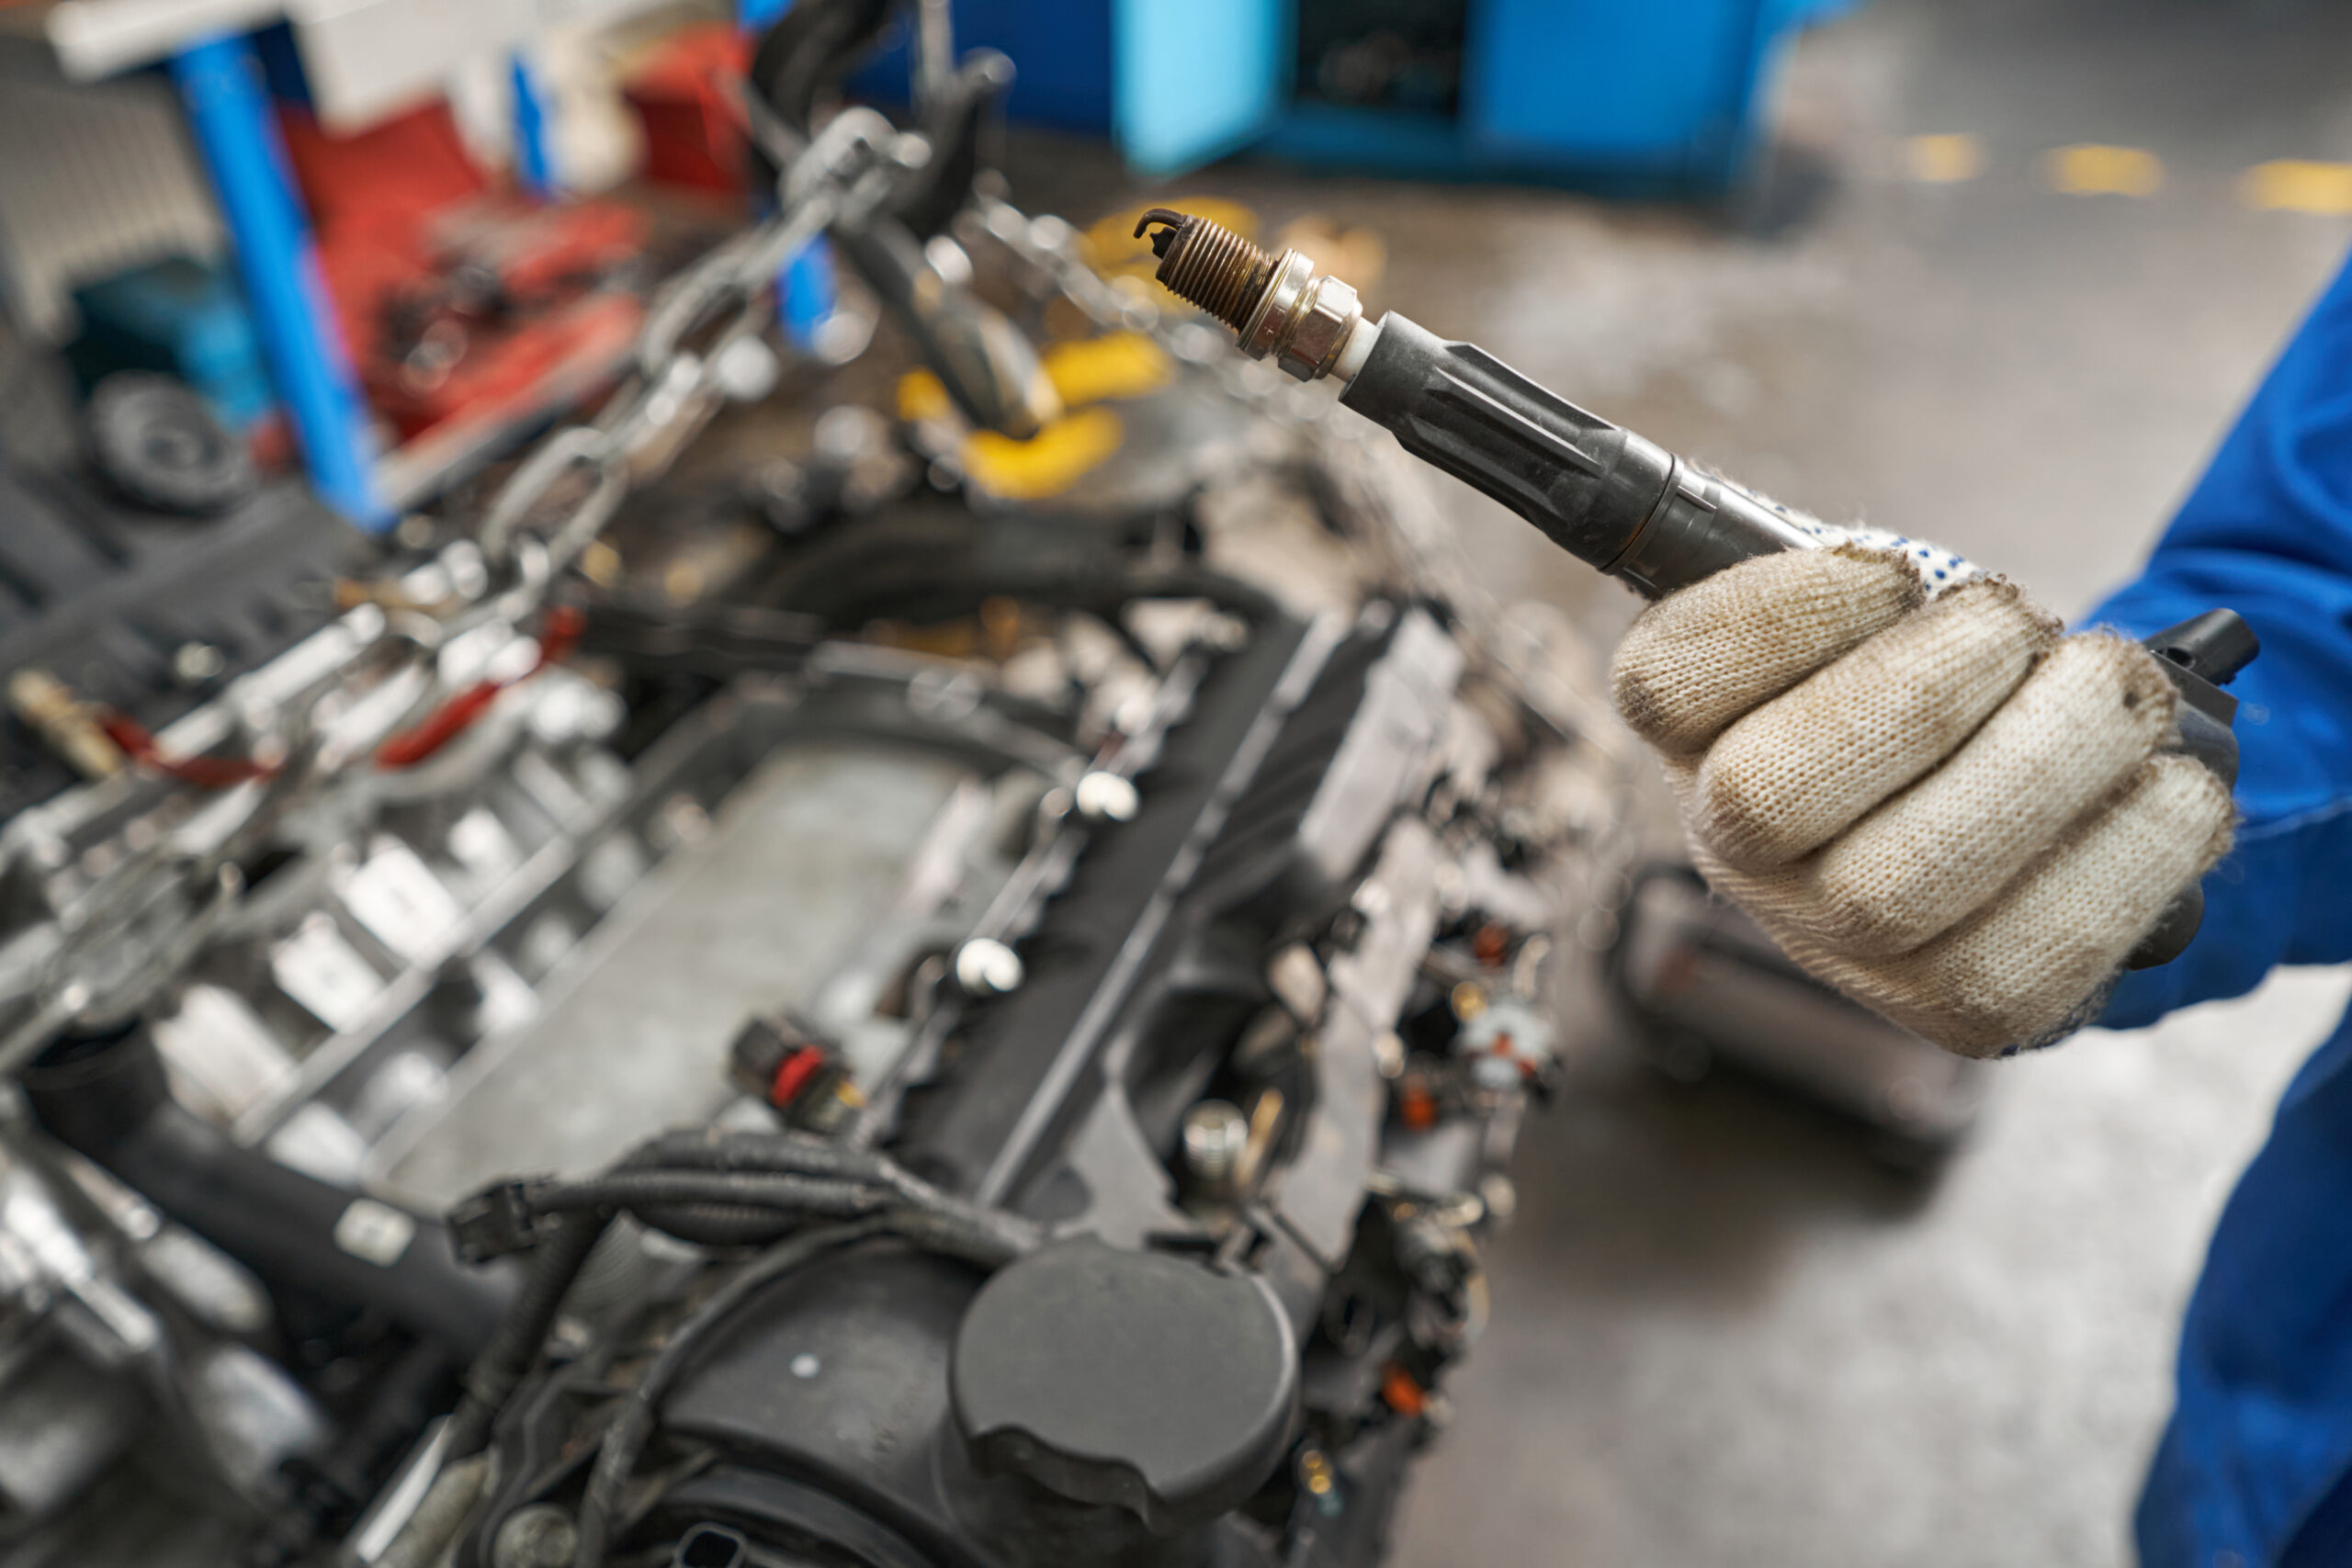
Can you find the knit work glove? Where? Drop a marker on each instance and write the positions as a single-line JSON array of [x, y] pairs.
[[1933, 800]]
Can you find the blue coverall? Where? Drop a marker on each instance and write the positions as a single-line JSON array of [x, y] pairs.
[[2255, 1467]]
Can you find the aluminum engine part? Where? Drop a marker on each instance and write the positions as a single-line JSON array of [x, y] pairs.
[[122, 1342], [820, 883]]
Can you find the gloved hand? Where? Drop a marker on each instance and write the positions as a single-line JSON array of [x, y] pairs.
[[1932, 799]]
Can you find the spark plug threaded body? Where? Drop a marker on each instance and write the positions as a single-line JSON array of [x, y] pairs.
[[1207, 264]]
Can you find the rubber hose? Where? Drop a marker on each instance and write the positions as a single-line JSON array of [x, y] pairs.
[[514, 1350], [634, 1189]]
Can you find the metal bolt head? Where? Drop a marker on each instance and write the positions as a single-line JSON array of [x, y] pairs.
[[850, 435], [1107, 797], [194, 663], [1500, 1195], [541, 1536], [1215, 1135], [746, 370], [986, 967], [1319, 329]]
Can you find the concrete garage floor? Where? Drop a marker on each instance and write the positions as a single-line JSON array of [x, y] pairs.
[[1722, 1335]]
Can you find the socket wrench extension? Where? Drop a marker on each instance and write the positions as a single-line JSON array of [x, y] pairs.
[[1601, 492]]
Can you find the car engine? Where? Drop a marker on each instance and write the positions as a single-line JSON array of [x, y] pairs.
[[753, 1000]]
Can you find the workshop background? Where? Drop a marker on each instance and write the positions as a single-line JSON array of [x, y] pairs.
[[1993, 275]]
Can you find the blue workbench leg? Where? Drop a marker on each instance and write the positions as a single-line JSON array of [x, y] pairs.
[[805, 291], [220, 81], [534, 164]]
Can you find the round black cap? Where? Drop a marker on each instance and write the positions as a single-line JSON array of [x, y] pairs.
[[160, 442], [1129, 1378]]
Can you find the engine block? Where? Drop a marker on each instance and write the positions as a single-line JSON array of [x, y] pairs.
[[984, 1036]]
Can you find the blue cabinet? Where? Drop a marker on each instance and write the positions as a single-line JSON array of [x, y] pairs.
[[1195, 79], [1634, 94], [1667, 89]]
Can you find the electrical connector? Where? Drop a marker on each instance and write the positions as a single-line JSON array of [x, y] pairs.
[[497, 1221]]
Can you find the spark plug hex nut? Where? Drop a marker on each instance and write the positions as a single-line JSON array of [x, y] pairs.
[[1319, 329], [1265, 328]]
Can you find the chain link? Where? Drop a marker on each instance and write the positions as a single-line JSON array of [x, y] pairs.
[[676, 378], [569, 487]]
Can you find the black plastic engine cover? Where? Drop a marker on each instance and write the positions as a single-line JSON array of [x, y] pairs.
[[827, 1421], [1134, 1378], [838, 1375]]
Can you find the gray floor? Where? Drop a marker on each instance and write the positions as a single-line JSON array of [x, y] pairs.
[[1722, 1334]]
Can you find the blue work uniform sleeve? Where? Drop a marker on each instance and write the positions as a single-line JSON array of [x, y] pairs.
[[2251, 1471], [2267, 533]]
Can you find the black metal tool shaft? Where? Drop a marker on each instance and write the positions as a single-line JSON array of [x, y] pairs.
[[1606, 495], [1600, 491]]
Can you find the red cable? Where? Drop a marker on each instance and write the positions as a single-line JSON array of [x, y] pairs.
[[440, 727], [454, 717], [410, 747], [205, 772], [559, 635]]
